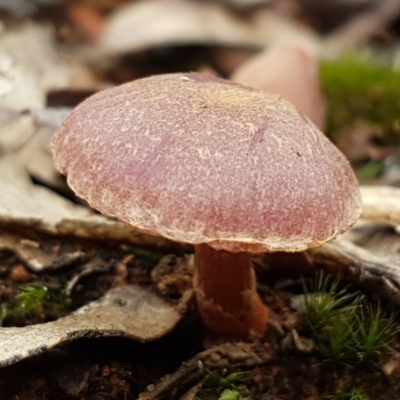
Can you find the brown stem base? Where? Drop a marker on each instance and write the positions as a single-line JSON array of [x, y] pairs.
[[225, 287]]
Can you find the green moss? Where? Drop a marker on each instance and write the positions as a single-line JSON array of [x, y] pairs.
[[346, 327], [353, 394], [147, 255], [360, 90], [34, 303], [222, 385], [229, 394], [324, 302], [376, 330], [373, 169]]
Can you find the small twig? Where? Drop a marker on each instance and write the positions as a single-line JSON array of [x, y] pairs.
[[232, 355]]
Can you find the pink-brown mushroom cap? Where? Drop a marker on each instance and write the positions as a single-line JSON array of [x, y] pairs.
[[199, 159]]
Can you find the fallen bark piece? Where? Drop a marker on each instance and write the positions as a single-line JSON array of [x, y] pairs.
[[377, 272], [129, 311]]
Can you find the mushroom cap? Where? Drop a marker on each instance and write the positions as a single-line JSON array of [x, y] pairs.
[[198, 159]]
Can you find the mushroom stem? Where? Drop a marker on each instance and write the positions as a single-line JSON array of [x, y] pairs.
[[225, 287]]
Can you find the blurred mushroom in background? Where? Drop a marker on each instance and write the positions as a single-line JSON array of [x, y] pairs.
[[290, 71]]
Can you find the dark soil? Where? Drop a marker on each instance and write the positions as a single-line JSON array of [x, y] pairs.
[[99, 369]]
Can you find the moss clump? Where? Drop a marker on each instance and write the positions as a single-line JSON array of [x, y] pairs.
[[222, 385], [373, 169], [360, 90], [346, 327], [353, 394], [34, 304]]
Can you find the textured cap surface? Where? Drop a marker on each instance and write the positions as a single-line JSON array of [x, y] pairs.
[[200, 159]]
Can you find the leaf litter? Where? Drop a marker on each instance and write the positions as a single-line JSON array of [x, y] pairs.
[[153, 318]]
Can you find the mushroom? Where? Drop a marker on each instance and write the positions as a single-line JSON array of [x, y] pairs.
[[227, 168]]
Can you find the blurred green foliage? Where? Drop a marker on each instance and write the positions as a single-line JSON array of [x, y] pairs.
[[358, 89]]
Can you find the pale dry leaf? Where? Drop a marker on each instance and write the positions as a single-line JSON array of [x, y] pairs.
[[381, 204], [18, 88], [33, 46], [35, 154], [29, 66], [151, 23], [126, 311], [23, 204], [15, 131], [36, 157], [8, 115], [51, 117]]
